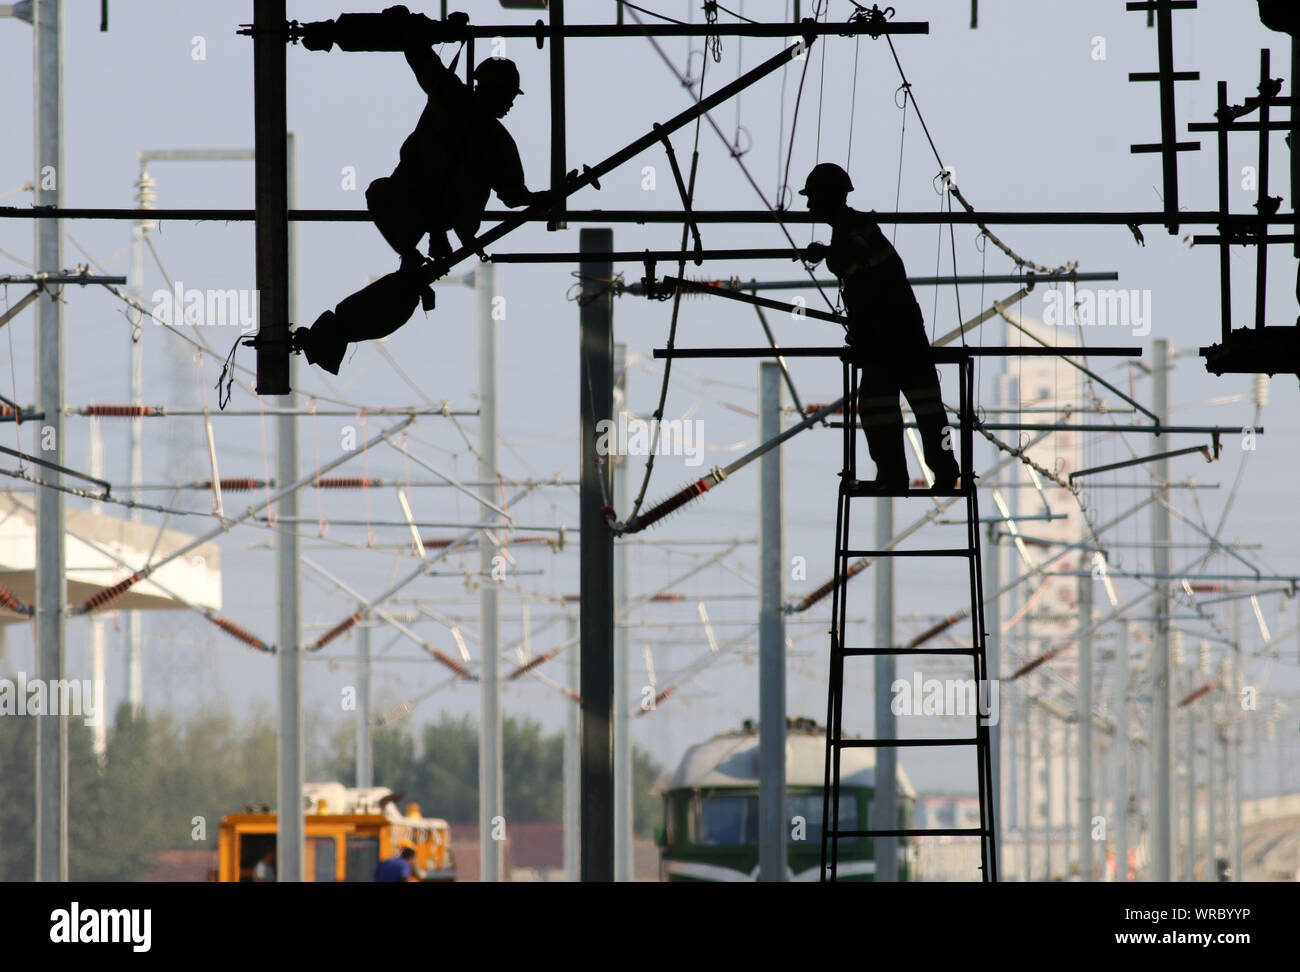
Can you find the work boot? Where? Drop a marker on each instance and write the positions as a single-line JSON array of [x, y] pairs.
[[320, 345], [883, 487], [413, 263]]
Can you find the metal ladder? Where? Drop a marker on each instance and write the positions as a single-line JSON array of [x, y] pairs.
[[836, 743]]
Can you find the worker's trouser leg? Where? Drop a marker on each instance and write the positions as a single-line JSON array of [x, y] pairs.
[[920, 383], [882, 420]]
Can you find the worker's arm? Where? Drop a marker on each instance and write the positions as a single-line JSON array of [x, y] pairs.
[[508, 177], [434, 77]]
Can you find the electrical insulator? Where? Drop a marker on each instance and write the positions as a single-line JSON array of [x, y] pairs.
[[146, 197], [1205, 656], [1176, 648], [1261, 391]]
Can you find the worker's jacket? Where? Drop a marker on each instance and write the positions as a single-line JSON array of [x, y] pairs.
[[457, 155], [882, 310]]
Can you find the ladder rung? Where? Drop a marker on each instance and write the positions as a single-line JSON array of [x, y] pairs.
[[883, 743], [932, 552], [909, 651], [859, 491], [911, 832]]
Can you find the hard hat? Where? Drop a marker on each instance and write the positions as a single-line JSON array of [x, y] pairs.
[[499, 72], [826, 177]]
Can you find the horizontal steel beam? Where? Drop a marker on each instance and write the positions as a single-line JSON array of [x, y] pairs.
[[642, 256], [942, 355], [1001, 218], [60, 278], [749, 286]]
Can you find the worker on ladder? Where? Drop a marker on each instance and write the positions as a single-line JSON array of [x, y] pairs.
[[886, 336], [458, 154]]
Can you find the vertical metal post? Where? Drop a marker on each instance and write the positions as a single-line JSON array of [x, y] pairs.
[[992, 648], [1048, 817], [98, 661], [1168, 121], [1233, 754], [51, 596], [572, 748], [134, 622], [1189, 865], [289, 851], [1261, 250], [271, 188], [1068, 807], [1161, 752], [1225, 247], [1085, 726], [622, 683], [490, 787], [365, 745], [1122, 739], [885, 805], [771, 635], [596, 571], [1211, 850], [559, 165], [1027, 797]]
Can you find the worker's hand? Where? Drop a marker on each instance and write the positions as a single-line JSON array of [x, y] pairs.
[[815, 252]]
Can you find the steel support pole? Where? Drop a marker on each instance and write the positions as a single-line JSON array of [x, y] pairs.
[[134, 621], [1085, 730], [491, 801], [1027, 795], [572, 758], [885, 805], [1189, 864], [559, 165], [1049, 830], [365, 744], [622, 683], [1211, 798], [1161, 752], [596, 570], [270, 124], [992, 648], [98, 659], [1122, 754], [51, 596], [771, 635], [290, 848], [1233, 754]]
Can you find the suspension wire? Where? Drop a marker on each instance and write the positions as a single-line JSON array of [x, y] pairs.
[[784, 187], [853, 103], [952, 186]]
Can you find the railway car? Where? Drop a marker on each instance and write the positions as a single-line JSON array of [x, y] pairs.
[[348, 832], [710, 828]]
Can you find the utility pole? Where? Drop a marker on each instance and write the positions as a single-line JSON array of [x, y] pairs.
[[365, 747], [1233, 761], [290, 844], [596, 570], [886, 796], [1048, 821], [51, 595], [1067, 732], [98, 661], [1122, 737], [622, 683], [1085, 725], [771, 636], [572, 758], [1161, 749], [1189, 866], [490, 789], [1211, 851]]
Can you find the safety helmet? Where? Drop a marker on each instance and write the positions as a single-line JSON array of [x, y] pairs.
[[826, 177], [499, 73]]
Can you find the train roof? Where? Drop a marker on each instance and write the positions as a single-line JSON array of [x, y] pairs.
[[731, 760]]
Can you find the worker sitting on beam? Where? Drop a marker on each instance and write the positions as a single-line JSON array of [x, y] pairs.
[[886, 335], [458, 154]]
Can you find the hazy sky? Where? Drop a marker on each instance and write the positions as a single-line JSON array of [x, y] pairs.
[[1025, 111]]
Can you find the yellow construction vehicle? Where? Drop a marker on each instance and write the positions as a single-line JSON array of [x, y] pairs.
[[348, 832]]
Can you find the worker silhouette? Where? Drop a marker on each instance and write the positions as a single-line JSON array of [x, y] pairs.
[[886, 335], [458, 154]]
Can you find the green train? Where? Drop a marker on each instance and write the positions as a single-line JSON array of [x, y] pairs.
[[710, 828]]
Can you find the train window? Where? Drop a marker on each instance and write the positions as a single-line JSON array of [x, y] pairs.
[[325, 854], [727, 821], [809, 807], [362, 858]]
